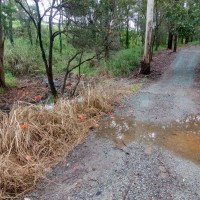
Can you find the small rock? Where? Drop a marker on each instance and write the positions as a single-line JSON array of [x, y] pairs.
[[163, 175], [162, 169], [98, 193], [148, 150]]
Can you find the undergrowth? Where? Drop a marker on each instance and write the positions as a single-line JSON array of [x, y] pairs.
[[124, 62]]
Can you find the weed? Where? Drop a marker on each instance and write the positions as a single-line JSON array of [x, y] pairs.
[[11, 81], [136, 87], [123, 62]]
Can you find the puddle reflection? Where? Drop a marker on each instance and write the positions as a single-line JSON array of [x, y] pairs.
[[181, 137]]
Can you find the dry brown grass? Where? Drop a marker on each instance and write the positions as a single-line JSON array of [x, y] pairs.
[[33, 139]]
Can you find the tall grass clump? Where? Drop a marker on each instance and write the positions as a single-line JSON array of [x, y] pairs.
[[23, 58], [34, 138], [124, 62]]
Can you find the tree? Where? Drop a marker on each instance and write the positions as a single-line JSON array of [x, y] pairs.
[[145, 64], [2, 74], [37, 21]]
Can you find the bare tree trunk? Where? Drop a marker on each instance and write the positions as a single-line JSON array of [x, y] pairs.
[[156, 37], [11, 28], [170, 40], [60, 36], [127, 33], [175, 43], [145, 64], [30, 31], [2, 74], [47, 62], [186, 40]]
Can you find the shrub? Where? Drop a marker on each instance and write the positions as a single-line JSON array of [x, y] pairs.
[[124, 62]]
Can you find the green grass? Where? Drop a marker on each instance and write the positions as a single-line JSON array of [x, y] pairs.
[[124, 62], [195, 42], [22, 59], [11, 81], [161, 48]]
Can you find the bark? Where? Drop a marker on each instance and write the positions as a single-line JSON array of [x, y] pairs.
[[107, 47], [170, 40], [50, 59], [175, 43], [60, 36], [127, 28], [145, 64], [181, 40], [30, 31], [11, 29], [2, 74], [186, 40], [156, 38], [127, 33]]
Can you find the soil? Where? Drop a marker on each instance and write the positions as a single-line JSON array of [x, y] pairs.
[[35, 90]]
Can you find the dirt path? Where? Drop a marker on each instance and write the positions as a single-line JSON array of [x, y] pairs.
[[148, 150]]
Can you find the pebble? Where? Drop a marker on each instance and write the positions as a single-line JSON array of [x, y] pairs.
[[162, 169], [148, 150]]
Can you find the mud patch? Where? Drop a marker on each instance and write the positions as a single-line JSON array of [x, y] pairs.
[[181, 137]]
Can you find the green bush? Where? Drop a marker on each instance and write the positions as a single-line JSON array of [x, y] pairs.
[[124, 62]]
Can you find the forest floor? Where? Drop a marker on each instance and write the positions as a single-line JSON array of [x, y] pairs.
[[149, 148]]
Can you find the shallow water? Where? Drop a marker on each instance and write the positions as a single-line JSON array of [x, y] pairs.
[[180, 137]]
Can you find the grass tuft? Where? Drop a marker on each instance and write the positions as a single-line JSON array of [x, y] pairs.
[[11, 81]]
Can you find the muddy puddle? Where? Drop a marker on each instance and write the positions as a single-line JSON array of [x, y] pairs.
[[181, 137]]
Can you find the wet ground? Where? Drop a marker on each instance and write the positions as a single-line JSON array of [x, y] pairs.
[[148, 149]]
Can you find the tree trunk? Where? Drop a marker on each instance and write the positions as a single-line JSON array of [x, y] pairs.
[[30, 31], [145, 64], [47, 63], [181, 40], [60, 36], [2, 74], [170, 40], [156, 38], [127, 33], [186, 40], [107, 46], [175, 43], [11, 29]]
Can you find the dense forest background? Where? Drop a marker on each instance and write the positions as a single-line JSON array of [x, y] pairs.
[[87, 36]]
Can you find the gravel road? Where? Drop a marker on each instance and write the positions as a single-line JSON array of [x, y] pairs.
[[151, 153]]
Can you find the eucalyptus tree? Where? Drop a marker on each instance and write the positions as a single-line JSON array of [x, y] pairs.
[[2, 74], [145, 64]]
